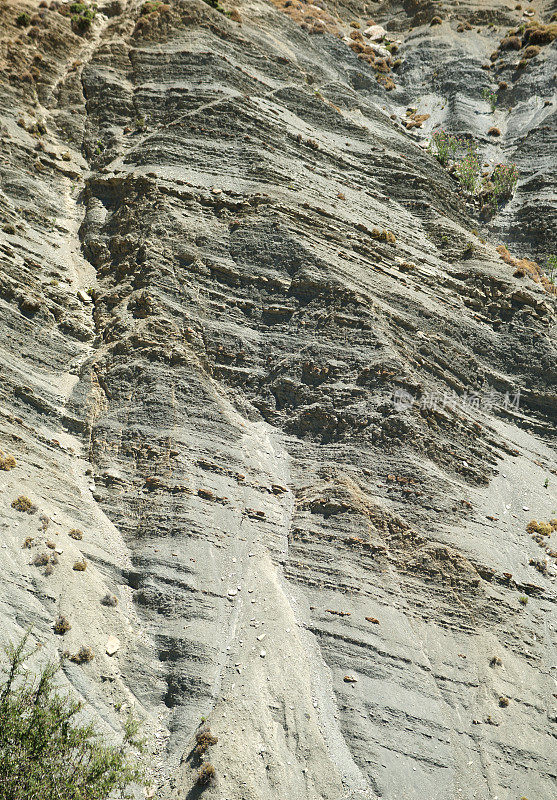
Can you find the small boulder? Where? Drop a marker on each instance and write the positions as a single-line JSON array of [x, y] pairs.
[[112, 645], [375, 32]]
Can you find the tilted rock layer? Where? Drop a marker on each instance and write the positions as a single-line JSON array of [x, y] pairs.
[[262, 354]]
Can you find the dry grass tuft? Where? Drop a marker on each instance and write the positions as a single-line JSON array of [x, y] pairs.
[[383, 236], [62, 625], [204, 739], [83, 656], [206, 775], [109, 600], [543, 528], [7, 462], [24, 504], [540, 34], [525, 266], [510, 43]]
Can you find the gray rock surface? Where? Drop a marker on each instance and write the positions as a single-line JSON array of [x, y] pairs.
[[251, 406]]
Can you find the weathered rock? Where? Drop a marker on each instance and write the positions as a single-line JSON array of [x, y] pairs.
[[267, 390], [375, 32]]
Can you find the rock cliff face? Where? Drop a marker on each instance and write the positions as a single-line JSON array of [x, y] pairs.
[[261, 352]]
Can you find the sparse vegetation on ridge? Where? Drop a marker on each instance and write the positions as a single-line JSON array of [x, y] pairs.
[[494, 188], [444, 145], [82, 15], [491, 97], [468, 170]]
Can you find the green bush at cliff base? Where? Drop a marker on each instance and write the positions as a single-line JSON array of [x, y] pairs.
[[45, 752]]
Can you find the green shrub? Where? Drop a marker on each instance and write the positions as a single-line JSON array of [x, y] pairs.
[[150, 6], [23, 20], [468, 170], [62, 625], [552, 268], [216, 5], [82, 16], [491, 98], [443, 145], [505, 178], [45, 752]]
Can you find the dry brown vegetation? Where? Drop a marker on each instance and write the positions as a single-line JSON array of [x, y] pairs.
[[206, 775], [7, 462], [24, 504], [109, 600], [526, 267], [41, 560], [383, 236], [204, 739], [543, 528], [62, 625], [83, 656]]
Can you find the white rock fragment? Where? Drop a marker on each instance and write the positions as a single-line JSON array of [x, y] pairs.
[[263, 654], [112, 645], [379, 50], [375, 32]]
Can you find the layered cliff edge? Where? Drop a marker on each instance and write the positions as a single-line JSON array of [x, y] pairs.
[[292, 386]]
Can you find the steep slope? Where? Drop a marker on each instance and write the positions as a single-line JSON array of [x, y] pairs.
[[302, 453]]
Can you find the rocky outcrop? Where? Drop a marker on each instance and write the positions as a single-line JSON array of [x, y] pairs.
[[266, 375]]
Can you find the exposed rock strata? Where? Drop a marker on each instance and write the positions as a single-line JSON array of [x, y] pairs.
[[202, 334]]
